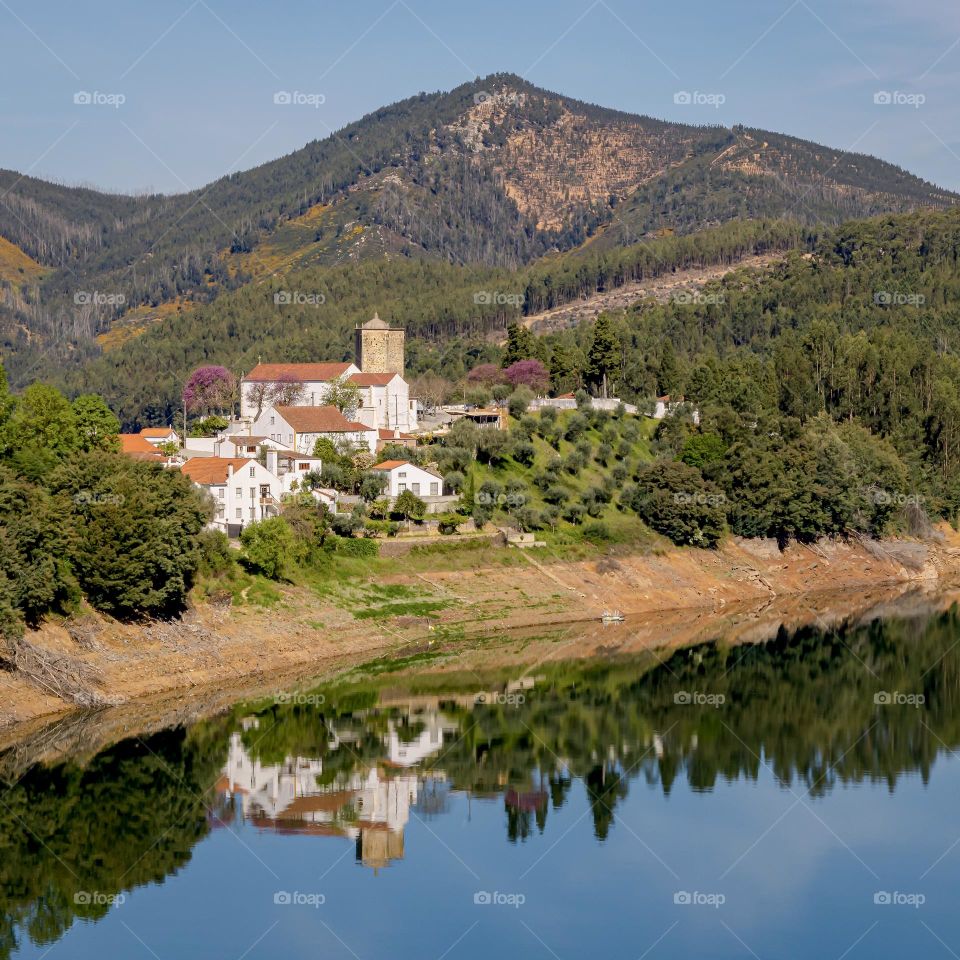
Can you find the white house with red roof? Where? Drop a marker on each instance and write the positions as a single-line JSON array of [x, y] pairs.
[[299, 428], [402, 475], [243, 490]]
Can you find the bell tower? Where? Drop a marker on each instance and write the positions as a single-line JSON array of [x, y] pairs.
[[379, 348]]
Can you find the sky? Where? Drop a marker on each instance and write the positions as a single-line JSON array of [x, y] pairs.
[[167, 96]]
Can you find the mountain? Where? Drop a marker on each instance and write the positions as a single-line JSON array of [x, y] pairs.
[[494, 174]]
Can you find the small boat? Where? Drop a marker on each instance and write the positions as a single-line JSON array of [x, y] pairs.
[[612, 616]]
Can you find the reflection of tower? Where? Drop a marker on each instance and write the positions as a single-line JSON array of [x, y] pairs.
[[376, 848], [379, 347]]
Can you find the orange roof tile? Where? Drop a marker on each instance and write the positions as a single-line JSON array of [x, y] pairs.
[[133, 445], [307, 372], [213, 470], [319, 420], [158, 433]]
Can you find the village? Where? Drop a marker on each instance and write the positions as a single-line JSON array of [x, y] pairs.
[[292, 415]]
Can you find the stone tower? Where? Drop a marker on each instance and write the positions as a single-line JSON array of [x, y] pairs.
[[379, 347]]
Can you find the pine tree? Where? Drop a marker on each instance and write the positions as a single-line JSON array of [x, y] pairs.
[[603, 357]]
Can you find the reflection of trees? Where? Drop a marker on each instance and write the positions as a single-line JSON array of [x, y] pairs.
[[804, 703], [130, 816]]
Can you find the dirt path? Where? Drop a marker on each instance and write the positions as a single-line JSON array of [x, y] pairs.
[[676, 285]]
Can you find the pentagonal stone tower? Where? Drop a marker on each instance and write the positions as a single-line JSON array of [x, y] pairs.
[[379, 347]]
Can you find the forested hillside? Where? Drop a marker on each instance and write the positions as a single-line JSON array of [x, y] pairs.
[[496, 174]]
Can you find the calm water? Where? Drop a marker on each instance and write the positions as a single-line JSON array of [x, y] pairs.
[[794, 799]]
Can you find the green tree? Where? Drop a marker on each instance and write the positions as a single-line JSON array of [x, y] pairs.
[[268, 546], [43, 418], [131, 532], [603, 356], [97, 427], [521, 345], [409, 506]]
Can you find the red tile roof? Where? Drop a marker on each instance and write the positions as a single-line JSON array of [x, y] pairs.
[[213, 470], [157, 433], [319, 420], [292, 372], [372, 379], [391, 464], [133, 445], [387, 434]]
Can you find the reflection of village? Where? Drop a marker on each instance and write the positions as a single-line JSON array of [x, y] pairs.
[[372, 804]]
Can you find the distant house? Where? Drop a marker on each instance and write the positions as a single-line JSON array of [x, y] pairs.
[[135, 445], [667, 406], [299, 428], [243, 491], [402, 475], [257, 387], [395, 438], [158, 435]]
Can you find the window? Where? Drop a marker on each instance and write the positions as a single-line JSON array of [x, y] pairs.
[[273, 421], [434, 489], [221, 492], [253, 513], [239, 513], [416, 488], [401, 487], [220, 511], [402, 473], [303, 466], [239, 491], [253, 471], [253, 493]]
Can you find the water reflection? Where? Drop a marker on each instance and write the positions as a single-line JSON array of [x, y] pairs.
[[358, 762]]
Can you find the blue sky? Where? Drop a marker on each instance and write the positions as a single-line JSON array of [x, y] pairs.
[[197, 77]]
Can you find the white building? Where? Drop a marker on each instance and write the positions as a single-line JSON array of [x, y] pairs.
[[402, 475], [385, 401], [303, 384], [299, 428], [243, 491]]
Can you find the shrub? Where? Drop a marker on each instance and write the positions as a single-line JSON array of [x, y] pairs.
[[676, 501], [352, 547], [524, 453], [267, 546], [216, 557], [596, 532]]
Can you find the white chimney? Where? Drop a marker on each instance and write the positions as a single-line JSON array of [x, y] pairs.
[[272, 460], [229, 471]]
